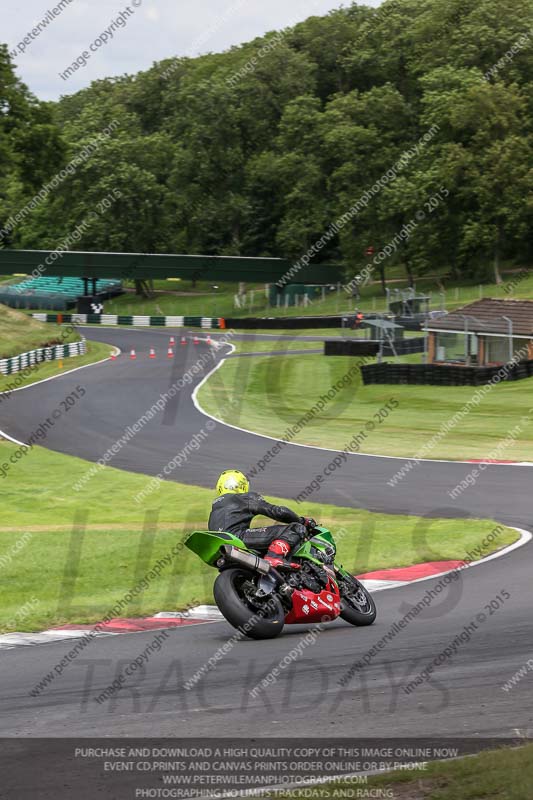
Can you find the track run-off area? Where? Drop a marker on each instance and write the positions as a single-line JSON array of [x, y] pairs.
[[464, 694]]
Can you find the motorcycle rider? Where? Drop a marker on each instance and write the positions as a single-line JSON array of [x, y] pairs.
[[236, 506]]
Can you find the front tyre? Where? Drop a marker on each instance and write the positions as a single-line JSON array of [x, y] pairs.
[[234, 592], [357, 604]]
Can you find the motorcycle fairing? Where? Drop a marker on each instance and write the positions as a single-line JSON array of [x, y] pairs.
[[321, 540], [310, 607], [207, 544]]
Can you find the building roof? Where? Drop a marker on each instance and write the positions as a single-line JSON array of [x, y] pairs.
[[487, 316], [384, 324]]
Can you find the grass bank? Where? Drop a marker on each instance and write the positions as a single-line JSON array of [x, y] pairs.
[[273, 393], [505, 774], [20, 333], [72, 555]]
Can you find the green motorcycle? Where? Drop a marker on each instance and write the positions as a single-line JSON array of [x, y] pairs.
[[259, 600]]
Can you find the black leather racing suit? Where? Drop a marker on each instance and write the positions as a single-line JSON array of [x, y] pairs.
[[234, 513]]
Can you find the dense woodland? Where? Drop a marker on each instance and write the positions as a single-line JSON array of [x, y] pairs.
[[256, 151]]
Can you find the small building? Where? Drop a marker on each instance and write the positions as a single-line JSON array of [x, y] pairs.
[[406, 303], [383, 329], [487, 332], [295, 294]]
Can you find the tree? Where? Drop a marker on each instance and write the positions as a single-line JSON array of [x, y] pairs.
[[489, 126], [263, 149], [31, 147]]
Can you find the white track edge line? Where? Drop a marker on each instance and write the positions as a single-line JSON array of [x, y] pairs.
[[118, 351], [4, 435], [525, 537], [273, 438], [199, 408]]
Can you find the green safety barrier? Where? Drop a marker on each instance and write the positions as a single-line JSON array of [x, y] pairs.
[[133, 319]]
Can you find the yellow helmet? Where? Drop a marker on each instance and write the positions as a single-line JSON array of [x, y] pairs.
[[231, 481]]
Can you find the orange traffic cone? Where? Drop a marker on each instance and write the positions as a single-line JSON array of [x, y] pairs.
[[132, 355], [113, 355], [196, 340], [172, 341], [152, 352], [183, 341], [170, 353]]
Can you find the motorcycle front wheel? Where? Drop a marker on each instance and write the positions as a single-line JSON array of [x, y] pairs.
[[357, 604], [234, 592]]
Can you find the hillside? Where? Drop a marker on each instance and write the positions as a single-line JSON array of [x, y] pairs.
[[20, 333], [408, 128]]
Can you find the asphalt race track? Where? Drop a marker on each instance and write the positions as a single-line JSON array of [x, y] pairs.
[[463, 697]]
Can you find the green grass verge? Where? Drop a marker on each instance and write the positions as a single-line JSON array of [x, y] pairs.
[[505, 774], [273, 393], [20, 333], [75, 554], [47, 369], [273, 345]]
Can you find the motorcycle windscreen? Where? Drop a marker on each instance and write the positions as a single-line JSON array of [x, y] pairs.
[[323, 533], [207, 544]]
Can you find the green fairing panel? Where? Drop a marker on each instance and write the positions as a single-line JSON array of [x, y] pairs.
[[207, 544], [304, 551]]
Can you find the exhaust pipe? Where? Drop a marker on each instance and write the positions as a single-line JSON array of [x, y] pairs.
[[259, 564], [246, 559]]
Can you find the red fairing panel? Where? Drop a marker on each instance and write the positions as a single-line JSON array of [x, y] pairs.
[[310, 607]]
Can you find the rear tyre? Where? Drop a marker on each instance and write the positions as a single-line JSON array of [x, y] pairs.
[[357, 604], [234, 595]]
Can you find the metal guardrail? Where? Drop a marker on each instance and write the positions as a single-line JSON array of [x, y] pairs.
[[133, 319], [9, 366]]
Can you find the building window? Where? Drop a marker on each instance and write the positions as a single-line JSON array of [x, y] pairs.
[[497, 349], [452, 347]]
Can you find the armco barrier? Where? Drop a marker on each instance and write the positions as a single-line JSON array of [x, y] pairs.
[[350, 347], [337, 321], [405, 347], [443, 374], [273, 323], [17, 363], [133, 319], [370, 347]]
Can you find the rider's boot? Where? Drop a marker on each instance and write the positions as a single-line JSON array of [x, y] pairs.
[[278, 550]]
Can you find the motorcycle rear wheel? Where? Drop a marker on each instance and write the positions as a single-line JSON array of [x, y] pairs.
[[357, 604], [232, 596]]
